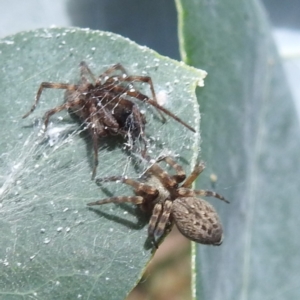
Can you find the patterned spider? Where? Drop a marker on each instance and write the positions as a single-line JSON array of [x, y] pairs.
[[104, 105], [168, 202]]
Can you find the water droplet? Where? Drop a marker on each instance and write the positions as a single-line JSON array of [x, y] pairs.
[[47, 241], [6, 263]]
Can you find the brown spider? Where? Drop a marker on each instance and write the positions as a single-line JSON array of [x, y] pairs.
[[160, 194], [104, 105]]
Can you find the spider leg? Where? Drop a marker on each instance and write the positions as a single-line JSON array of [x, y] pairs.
[[129, 90], [180, 174], [163, 176], [159, 219], [103, 114], [139, 96], [51, 112], [156, 213], [148, 80], [99, 130], [49, 85], [138, 186], [129, 199], [153, 101], [205, 193], [112, 117], [95, 147], [187, 192], [198, 169], [138, 118], [164, 218], [85, 70], [111, 70]]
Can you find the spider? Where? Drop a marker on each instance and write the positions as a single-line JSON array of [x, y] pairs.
[[170, 199], [104, 105]]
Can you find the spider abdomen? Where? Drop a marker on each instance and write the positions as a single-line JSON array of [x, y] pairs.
[[197, 220]]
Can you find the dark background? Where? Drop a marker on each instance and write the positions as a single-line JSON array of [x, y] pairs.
[[154, 23]]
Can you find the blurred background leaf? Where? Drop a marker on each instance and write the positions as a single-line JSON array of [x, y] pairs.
[[251, 141]]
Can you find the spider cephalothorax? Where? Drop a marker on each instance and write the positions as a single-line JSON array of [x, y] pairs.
[[170, 199], [105, 105]]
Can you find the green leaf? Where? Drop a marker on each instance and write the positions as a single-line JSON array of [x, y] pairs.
[[250, 140], [52, 245]]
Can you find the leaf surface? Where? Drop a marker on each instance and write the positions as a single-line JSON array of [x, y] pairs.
[[52, 245]]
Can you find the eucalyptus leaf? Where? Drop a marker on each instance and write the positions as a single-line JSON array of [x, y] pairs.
[[52, 245], [250, 140]]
